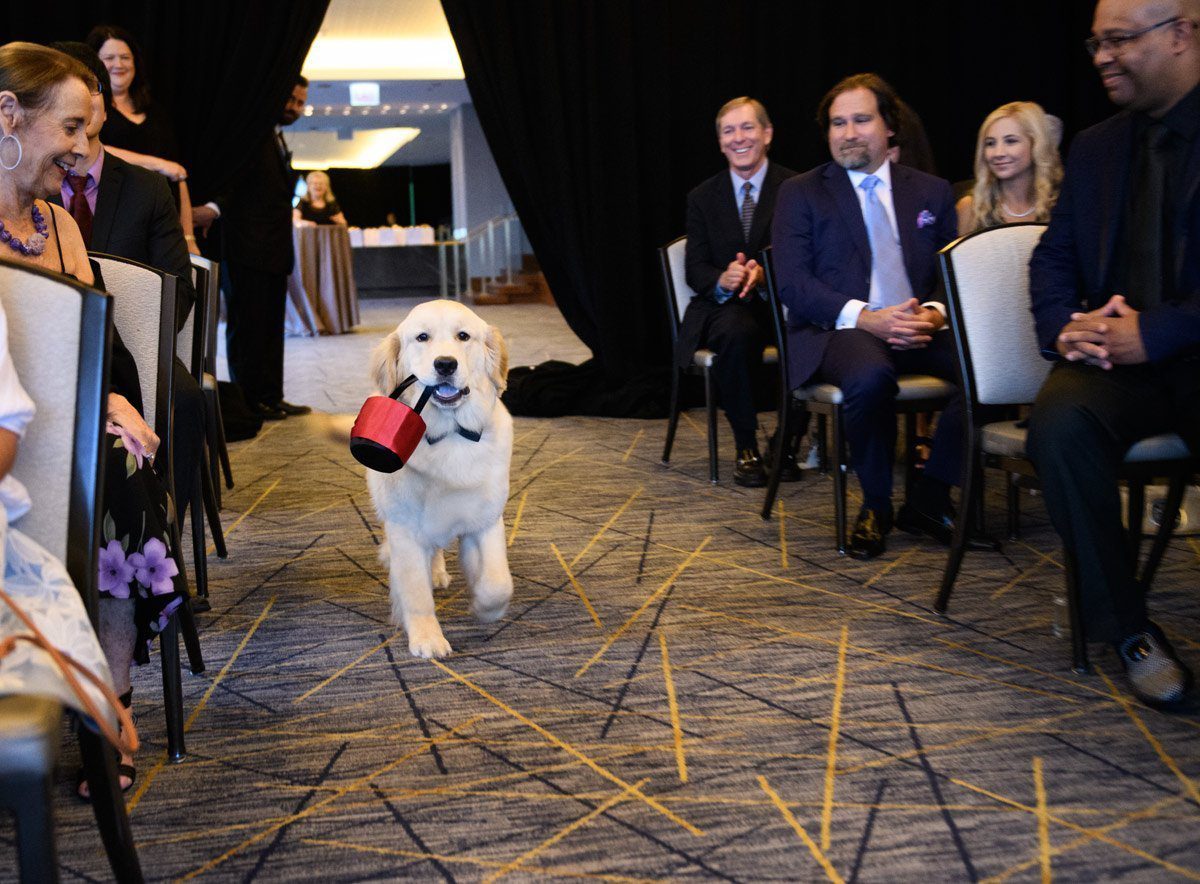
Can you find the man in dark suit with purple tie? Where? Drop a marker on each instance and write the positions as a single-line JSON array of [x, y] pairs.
[[856, 242], [1124, 244]]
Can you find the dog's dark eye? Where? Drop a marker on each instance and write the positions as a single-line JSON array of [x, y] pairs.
[[463, 336], [423, 337]]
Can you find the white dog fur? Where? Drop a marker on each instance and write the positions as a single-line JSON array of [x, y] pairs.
[[454, 488]]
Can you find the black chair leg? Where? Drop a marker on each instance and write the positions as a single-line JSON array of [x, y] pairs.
[[1136, 516], [910, 453], [1162, 537], [971, 492], [212, 508], [822, 446], [222, 447], [1079, 651], [1014, 506], [781, 432], [673, 420], [197, 507], [839, 481], [108, 804], [168, 641], [710, 406], [191, 639]]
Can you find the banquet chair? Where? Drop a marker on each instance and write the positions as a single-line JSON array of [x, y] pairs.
[[679, 294], [140, 292], [61, 465], [215, 424], [1001, 364], [918, 393]]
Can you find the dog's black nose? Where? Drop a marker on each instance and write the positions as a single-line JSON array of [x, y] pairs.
[[445, 365]]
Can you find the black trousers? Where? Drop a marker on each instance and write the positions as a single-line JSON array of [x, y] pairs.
[[1084, 421], [737, 331], [866, 369], [254, 310]]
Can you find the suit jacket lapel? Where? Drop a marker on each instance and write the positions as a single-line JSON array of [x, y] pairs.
[[107, 197], [840, 189], [905, 204], [1112, 198], [763, 211]]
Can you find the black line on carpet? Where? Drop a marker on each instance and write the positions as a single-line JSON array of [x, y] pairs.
[[337, 463], [349, 558], [540, 445], [266, 852], [208, 622], [608, 814], [226, 689], [645, 548], [1107, 762], [380, 620], [416, 710], [366, 524], [637, 660], [866, 835], [934, 786], [411, 832]]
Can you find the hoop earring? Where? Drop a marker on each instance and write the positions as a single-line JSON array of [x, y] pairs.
[[17, 141]]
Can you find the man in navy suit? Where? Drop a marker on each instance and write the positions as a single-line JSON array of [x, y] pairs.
[[728, 224], [856, 242], [1124, 245]]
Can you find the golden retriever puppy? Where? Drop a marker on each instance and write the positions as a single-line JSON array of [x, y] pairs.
[[455, 485]]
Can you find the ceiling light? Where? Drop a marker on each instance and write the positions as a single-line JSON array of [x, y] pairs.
[[367, 149], [414, 58]]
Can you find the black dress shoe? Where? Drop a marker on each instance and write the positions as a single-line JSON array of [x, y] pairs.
[[1157, 676], [940, 527], [749, 472], [268, 412], [867, 540], [289, 408]]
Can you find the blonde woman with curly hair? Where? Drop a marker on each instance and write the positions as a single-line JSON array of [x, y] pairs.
[[319, 205], [1017, 169]]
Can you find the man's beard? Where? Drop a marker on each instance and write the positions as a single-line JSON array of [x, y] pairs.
[[853, 158]]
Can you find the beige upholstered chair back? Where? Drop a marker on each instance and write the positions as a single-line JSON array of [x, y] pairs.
[[186, 339], [676, 253], [57, 334], [987, 282], [144, 315]]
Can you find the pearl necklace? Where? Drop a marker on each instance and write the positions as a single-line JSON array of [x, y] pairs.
[[1012, 214], [37, 240]]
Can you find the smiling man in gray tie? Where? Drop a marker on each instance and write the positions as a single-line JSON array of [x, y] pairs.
[[856, 242]]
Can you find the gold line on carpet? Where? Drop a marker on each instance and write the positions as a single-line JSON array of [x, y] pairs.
[[349, 666], [628, 451], [673, 705], [820, 857], [891, 566], [783, 561], [313, 808], [517, 518], [623, 795], [568, 748], [606, 526], [1028, 572], [666, 584], [1188, 784], [1043, 823], [839, 687], [703, 434], [578, 589], [212, 547]]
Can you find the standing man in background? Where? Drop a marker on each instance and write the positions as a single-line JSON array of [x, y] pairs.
[[257, 256]]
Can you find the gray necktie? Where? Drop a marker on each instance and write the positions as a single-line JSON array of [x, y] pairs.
[[886, 256], [747, 210]]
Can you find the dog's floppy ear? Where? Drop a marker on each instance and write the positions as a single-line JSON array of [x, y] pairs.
[[497, 358], [385, 364]]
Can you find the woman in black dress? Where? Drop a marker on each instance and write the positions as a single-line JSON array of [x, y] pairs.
[[319, 205]]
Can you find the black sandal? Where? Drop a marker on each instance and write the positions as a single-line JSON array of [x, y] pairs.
[[123, 770]]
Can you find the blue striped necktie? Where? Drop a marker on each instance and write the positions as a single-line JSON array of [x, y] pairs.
[[886, 255]]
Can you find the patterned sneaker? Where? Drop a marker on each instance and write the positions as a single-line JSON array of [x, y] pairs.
[[1157, 676]]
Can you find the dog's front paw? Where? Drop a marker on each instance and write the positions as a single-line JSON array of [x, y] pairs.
[[490, 604], [425, 638], [441, 577]]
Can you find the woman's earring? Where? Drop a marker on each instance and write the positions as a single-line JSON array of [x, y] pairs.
[[17, 141]]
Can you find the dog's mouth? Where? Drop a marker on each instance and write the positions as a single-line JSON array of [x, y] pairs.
[[448, 394]]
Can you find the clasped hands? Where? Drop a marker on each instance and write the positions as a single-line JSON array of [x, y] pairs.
[[906, 326], [741, 275], [124, 420], [1104, 337]]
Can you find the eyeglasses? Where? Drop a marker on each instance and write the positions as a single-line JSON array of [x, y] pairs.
[[1116, 43], [99, 90]]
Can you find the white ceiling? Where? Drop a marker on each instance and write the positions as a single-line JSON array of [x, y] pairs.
[[383, 40]]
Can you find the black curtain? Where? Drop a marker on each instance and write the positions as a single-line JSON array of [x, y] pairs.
[[367, 195], [600, 114], [222, 70]]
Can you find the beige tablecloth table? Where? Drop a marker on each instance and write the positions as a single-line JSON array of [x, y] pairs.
[[322, 297]]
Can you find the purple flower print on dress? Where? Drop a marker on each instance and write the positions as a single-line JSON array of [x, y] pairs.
[[154, 567], [926, 219], [115, 570]]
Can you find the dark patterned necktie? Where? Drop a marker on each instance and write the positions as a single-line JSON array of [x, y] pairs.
[[748, 206], [1145, 281], [79, 208]]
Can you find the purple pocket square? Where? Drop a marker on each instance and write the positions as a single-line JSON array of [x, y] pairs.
[[926, 219]]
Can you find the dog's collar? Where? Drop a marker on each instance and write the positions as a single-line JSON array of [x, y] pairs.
[[472, 435]]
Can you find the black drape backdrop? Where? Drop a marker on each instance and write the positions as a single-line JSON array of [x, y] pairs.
[[367, 195], [600, 117], [222, 70]]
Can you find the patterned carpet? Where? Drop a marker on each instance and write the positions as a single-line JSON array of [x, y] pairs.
[[680, 690]]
